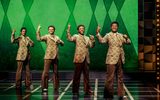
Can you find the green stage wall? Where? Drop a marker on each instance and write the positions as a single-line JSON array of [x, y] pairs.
[[29, 13]]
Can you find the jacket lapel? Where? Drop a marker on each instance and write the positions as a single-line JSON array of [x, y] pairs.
[[52, 38]]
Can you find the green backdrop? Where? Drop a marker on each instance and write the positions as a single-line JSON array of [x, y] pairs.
[[30, 13]]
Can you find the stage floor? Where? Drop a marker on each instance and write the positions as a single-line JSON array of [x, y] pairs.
[[136, 89]]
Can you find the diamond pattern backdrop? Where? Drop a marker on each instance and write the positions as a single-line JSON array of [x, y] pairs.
[[29, 13]]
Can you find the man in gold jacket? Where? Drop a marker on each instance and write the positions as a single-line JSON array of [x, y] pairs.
[[81, 58], [114, 59], [23, 57], [51, 57]]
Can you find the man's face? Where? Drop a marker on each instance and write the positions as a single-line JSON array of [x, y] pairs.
[[81, 30], [23, 32], [51, 30], [114, 27]]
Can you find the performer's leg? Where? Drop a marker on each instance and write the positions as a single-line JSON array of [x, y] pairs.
[[45, 74], [109, 89], [28, 74], [19, 94], [55, 95], [55, 74], [85, 69], [19, 73], [120, 89], [76, 78]]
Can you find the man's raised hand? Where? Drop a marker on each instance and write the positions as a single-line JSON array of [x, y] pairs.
[[13, 31], [69, 27], [98, 29]]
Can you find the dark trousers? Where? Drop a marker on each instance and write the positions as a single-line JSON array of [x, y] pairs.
[[79, 68], [20, 94], [45, 74], [112, 70], [20, 65]]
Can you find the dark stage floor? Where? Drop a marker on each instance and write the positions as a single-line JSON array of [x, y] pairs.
[[135, 87]]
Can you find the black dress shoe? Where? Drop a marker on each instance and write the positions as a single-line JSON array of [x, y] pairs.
[[44, 90], [107, 95], [90, 92], [123, 98], [76, 94]]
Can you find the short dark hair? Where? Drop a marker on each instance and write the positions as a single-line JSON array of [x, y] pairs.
[[115, 22], [23, 28], [80, 26], [52, 27]]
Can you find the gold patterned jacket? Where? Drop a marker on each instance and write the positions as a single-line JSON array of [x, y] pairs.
[[115, 50], [82, 45], [52, 42], [24, 42]]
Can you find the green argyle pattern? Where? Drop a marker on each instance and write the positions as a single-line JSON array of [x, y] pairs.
[[29, 13]]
